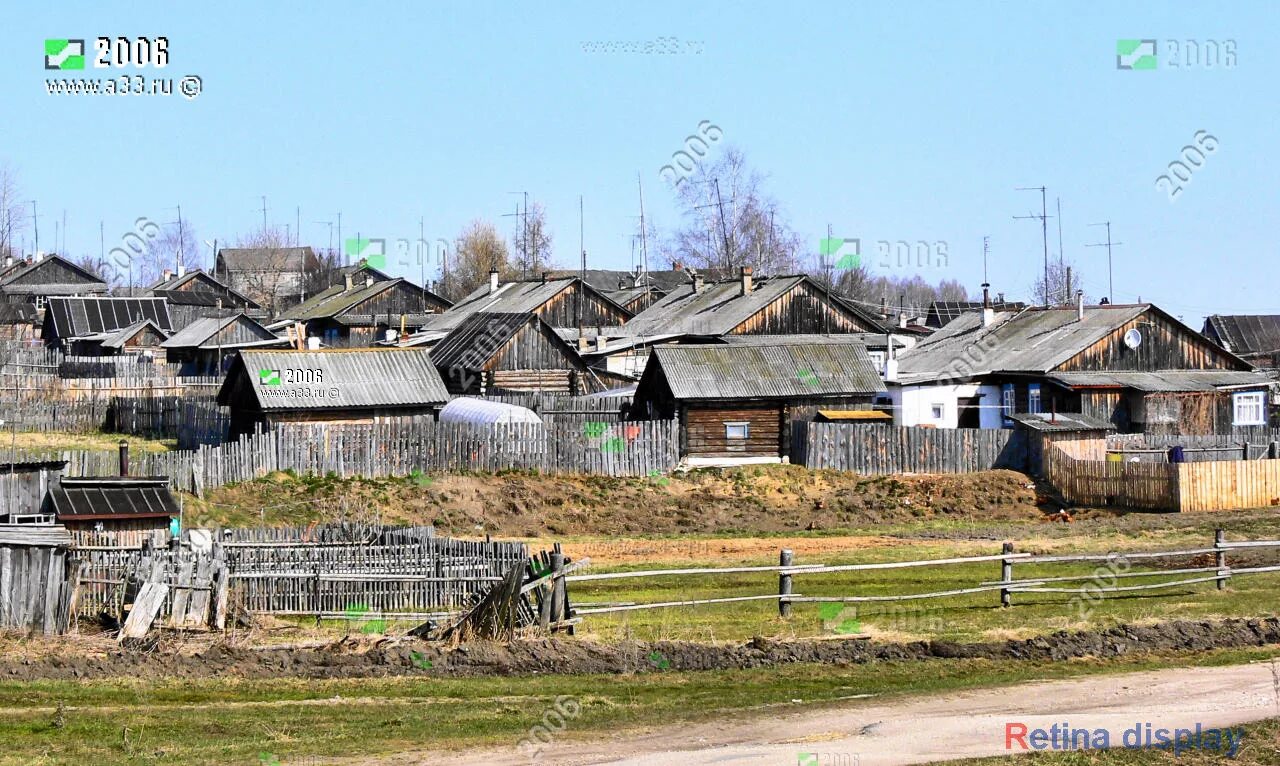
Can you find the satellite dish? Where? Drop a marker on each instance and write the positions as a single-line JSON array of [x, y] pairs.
[[1133, 338]]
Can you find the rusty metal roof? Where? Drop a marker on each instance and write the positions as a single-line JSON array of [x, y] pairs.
[[777, 371], [338, 379]]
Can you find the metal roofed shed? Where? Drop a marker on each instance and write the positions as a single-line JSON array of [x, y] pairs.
[[113, 502], [1049, 422], [468, 409]]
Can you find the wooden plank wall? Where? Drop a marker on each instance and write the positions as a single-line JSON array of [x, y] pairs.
[[881, 449], [1228, 485], [35, 588]]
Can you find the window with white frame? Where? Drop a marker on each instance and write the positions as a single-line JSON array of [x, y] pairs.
[[1250, 409], [737, 430], [877, 359], [1033, 398], [937, 410], [1006, 400]]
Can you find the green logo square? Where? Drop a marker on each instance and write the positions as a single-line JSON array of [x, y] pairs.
[[806, 759], [269, 377], [832, 247], [63, 54], [1136, 54], [807, 377], [370, 252]]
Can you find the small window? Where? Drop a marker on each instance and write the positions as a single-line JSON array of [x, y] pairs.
[[737, 430], [937, 410], [1249, 409], [1006, 402], [877, 360], [1033, 398]]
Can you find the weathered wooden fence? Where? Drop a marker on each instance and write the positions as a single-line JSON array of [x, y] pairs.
[[361, 573], [1079, 472], [191, 420], [880, 449], [1112, 567], [86, 405], [555, 409], [36, 578], [1153, 448]]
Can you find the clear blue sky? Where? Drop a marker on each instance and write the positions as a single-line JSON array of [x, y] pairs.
[[894, 121]]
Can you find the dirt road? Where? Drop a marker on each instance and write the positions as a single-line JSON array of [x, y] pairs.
[[919, 730]]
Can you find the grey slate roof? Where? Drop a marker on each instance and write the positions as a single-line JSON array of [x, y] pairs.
[[1062, 421], [347, 378], [83, 316], [511, 298], [1246, 334], [14, 278], [118, 338], [1162, 381], [775, 371], [178, 289], [471, 343], [112, 497], [201, 333]]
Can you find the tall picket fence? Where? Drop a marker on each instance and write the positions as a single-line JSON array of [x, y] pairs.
[[884, 449]]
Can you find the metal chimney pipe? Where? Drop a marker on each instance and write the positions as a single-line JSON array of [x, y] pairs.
[[124, 458]]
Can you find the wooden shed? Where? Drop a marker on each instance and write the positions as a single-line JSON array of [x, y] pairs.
[[24, 487], [36, 578], [738, 401], [511, 352], [208, 345], [331, 385]]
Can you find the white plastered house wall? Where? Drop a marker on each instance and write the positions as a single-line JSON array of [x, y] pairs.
[[938, 405]]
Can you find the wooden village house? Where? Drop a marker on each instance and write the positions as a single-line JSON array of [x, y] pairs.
[[97, 326], [560, 302], [491, 352], [266, 387], [35, 280], [738, 400], [209, 345], [359, 314], [1134, 366]]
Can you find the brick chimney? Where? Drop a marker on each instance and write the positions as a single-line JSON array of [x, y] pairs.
[[677, 266], [745, 272], [697, 283]]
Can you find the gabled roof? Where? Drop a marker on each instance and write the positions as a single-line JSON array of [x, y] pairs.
[[203, 333], [83, 316], [23, 278], [758, 372], [1034, 340], [265, 258], [112, 497], [334, 379], [478, 338], [332, 302], [511, 298], [197, 288], [119, 338], [1245, 334], [718, 308], [665, 280], [942, 312]]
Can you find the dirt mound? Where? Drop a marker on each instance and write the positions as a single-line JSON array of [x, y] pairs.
[[776, 498], [394, 657]]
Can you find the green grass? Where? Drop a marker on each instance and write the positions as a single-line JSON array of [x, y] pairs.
[[229, 721]]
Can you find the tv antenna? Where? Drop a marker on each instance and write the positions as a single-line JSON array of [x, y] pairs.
[[1108, 244], [1044, 231]]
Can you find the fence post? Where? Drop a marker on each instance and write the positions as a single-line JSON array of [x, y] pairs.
[[1006, 575], [1220, 556], [784, 584], [557, 585], [1245, 447]]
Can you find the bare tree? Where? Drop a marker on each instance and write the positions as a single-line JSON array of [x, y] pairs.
[[912, 294], [1058, 292], [276, 279], [12, 218], [533, 242], [729, 221], [176, 245], [479, 250]]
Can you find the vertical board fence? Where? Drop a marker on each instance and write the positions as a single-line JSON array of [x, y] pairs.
[[883, 449]]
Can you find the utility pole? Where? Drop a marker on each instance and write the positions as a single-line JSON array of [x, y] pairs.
[[1044, 231], [264, 215], [35, 223], [582, 277], [724, 231], [341, 244], [644, 245], [1066, 297], [422, 261], [297, 225], [182, 261], [1111, 298]]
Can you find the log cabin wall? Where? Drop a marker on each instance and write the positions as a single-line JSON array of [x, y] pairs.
[[1166, 345], [801, 310], [704, 430], [597, 311]]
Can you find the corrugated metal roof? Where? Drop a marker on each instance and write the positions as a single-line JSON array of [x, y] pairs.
[[1033, 340], [336, 303], [942, 312], [480, 335], [83, 316], [767, 372], [112, 497], [339, 378], [1247, 334], [1162, 381], [510, 298], [90, 283], [118, 338]]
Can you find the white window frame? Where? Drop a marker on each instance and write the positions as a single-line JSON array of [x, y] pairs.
[[1034, 403], [1249, 408], [744, 426], [877, 360], [1008, 398], [938, 410]]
